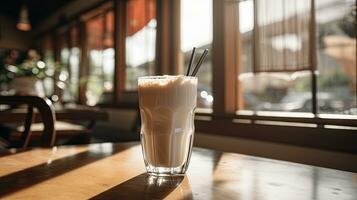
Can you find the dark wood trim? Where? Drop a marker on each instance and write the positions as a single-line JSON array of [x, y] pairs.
[[231, 45], [321, 138], [75, 17], [313, 58], [320, 121], [78, 25], [84, 64], [255, 38], [218, 54], [159, 34], [240, 68], [119, 45], [99, 10], [29, 119], [57, 57], [168, 51], [225, 49], [121, 105], [130, 92], [175, 27], [55, 47], [281, 71]]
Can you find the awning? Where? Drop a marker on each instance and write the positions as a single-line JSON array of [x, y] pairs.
[[139, 14]]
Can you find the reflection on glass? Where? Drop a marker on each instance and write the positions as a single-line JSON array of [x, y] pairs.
[[336, 30], [140, 41], [100, 42], [197, 31]]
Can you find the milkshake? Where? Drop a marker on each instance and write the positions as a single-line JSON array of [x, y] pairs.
[[167, 106]]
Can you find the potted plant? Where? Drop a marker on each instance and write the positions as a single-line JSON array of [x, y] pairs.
[[26, 78]]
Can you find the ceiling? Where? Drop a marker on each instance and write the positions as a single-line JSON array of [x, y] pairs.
[[38, 9]]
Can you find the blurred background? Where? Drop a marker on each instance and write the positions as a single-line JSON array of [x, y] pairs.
[[290, 59]]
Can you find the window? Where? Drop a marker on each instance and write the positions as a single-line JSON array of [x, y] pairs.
[[66, 75], [197, 31], [291, 90], [140, 41], [100, 52], [88, 71], [336, 48]]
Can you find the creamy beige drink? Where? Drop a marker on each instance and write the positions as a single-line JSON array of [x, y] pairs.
[[167, 106]]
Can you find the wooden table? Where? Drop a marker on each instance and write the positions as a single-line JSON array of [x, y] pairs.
[[116, 171]]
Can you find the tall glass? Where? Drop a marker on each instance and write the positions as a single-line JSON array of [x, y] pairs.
[[167, 105]]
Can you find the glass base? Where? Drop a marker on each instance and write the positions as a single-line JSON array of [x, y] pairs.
[[166, 171]]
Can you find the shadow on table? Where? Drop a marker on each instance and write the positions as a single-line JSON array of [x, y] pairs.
[[143, 186], [30, 176]]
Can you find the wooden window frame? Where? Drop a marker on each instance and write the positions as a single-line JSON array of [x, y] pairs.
[[100, 10], [309, 131], [222, 119], [78, 20], [121, 97]]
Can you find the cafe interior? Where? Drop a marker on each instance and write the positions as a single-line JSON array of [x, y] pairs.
[[274, 113]]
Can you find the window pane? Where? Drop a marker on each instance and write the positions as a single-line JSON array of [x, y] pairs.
[[67, 78], [197, 31], [140, 40], [100, 43], [283, 91], [336, 30]]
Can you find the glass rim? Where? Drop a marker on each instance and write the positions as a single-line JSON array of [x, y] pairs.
[[163, 77]]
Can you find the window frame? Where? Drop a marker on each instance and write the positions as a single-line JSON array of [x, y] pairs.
[[223, 119], [100, 11], [223, 35]]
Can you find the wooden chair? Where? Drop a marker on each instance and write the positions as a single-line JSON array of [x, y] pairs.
[[46, 111], [63, 126]]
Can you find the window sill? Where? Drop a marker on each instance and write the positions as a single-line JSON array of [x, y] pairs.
[[288, 119], [329, 132]]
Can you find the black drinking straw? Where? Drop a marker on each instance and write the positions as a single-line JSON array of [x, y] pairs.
[[199, 62], [191, 60]]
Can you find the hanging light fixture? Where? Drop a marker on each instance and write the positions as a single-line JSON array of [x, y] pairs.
[[24, 23]]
